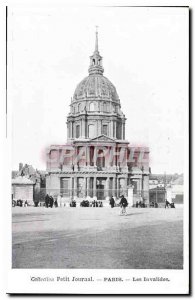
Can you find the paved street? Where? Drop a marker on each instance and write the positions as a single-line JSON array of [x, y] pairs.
[[97, 238]]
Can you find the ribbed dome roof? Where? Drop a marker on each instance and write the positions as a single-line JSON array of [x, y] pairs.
[[95, 85]]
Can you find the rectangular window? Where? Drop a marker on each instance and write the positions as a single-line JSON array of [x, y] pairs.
[[91, 132], [105, 129], [77, 131], [65, 187], [81, 187], [118, 130]]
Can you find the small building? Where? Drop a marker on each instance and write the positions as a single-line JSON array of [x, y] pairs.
[[157, 196], [177, 190], [22, 189], [37, 177]]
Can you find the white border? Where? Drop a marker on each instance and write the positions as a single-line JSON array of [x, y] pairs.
[[178, 279]]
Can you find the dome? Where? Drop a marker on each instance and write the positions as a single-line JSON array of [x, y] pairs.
[[96, 85]]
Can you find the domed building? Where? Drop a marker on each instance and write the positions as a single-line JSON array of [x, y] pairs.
[[97, 161]]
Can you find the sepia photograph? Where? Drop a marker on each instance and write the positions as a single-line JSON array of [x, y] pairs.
[[98, 101]]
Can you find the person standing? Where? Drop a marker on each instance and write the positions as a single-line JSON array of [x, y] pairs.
[[112, 202], [123, 204], [166, 204], [51, 201], [47, 199]]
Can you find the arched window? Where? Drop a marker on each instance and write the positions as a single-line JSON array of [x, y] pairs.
[[91, 106], [93, 61]]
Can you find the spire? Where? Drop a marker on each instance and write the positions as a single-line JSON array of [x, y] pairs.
[[96, 59], [96, 39]]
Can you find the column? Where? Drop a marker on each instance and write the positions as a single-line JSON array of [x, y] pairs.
[[68, 130], [125, 186], [107, 188], [71, 188], [83, 128], [118, 187], [112, 122], [123, 131], [95, 156], [94, 187], [99, 127], [75, 187], [72, 131], [115, 186], [86, 155], [88, 186]]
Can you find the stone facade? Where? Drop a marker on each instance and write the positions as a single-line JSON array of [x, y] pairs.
[[35, 176], [97, 161], [22, 189]]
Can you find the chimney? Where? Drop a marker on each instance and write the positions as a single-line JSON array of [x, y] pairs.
[[20, 166]]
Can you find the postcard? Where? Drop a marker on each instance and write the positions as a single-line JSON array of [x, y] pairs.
[[98, 143]]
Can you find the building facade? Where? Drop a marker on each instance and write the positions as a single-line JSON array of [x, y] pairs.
[[29, 179], [22, 189], [97, 160]]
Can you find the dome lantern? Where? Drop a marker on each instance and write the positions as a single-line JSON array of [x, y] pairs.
[[96, 59]]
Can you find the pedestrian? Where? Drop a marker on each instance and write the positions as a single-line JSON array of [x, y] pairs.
[[112, 202], [123, 204], [166, 204], [56, 203], [172, 205], [51, 201], [47, 200]]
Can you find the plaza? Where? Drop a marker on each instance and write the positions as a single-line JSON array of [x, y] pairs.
[[89, 237]]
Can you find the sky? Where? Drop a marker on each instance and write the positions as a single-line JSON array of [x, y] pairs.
[[145, 55]]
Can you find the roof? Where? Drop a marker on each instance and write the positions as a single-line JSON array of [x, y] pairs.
[[96, 86], [22, 180]]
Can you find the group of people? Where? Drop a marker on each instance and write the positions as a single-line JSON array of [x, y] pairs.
[[50, 201], [140, 204], [168, 204], [123, 204], [94, 203]]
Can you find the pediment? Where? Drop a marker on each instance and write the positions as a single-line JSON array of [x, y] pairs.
[[103, 138]]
